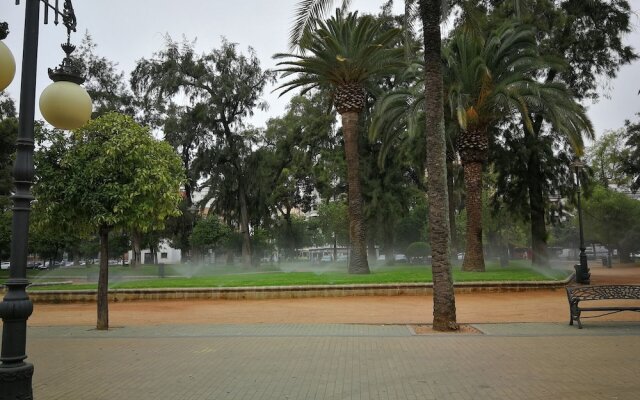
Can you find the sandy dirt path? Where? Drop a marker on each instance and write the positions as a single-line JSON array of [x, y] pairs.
[[536, 306]]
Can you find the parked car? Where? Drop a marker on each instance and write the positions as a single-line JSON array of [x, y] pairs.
[[5, 265], [36, 265], [400, 257]]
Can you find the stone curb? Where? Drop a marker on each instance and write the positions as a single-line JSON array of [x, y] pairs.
[[288, 292]]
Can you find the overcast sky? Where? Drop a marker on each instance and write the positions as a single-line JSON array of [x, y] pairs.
[[126, 31]]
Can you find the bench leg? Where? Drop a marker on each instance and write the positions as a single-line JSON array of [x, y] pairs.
[[578, 319]]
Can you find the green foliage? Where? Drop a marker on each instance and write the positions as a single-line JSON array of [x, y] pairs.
[[211, 233], [104, 83], [261, 243], [613, 219], [345, 49], [292, 234], [5, 234], [333, 219], [587, 35], [413, 227], [8, 136], [607, 157], [109, 173], [223, 87], [632, 161], [418, 249]]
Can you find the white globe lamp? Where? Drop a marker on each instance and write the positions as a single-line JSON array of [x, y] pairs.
[[65, 104], [7, 62]]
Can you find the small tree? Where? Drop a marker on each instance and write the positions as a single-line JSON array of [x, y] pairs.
[[210, 234], [419, 250], [613, 219], [334, 222], [110, 173]]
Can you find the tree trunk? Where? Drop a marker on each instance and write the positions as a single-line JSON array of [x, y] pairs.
[[244, 225], [358, 263], [290, 244], [372, 254], [103, 280], [474, 256], [536, 207], [389, 258], [452, 211], [136, 259], [444, 303], [624, 255]]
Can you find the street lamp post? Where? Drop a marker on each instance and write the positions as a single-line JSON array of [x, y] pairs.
[[16, 307], [582, 269]]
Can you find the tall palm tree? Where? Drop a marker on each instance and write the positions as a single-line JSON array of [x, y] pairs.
[[493, 79], [345, 53], [444, 305], [430, 13]]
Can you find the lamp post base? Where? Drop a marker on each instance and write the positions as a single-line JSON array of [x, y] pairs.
[[583, 276], [15, 382]]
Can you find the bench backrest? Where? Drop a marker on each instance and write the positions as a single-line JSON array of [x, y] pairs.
[[613, 292]]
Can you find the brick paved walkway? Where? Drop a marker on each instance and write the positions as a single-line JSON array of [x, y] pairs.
[[336, 361]]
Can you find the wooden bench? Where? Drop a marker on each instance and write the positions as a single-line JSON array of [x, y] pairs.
[[576, 294]]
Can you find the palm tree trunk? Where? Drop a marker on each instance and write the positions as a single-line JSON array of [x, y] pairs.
[[358, 263], [474, 257], [444, 303], [103, 280]]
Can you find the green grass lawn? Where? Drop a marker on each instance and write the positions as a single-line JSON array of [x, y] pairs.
[[184, 276]]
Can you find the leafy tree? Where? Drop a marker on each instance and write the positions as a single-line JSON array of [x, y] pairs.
[[291, 161], [5, 234], [333, 219], [418, 250], [345, 53], [223, 88], [109, 174], [632, 162], [104, 83], [8, 135], [413, 227], [607, 157], [210, 233], [613, 219]]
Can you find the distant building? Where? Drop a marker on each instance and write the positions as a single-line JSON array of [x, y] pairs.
[[165, 255]]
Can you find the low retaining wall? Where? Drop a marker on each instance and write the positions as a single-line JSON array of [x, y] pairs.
[[286, 292]]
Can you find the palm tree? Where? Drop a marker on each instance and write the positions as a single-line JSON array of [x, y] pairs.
[[345, 53], [444, 305], [430, 12], [493, 79]]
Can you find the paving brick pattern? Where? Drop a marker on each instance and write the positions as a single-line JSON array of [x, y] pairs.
[[331, 362]]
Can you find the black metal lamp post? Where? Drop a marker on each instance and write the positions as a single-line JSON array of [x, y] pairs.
[[16, 307], [582, 270]]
